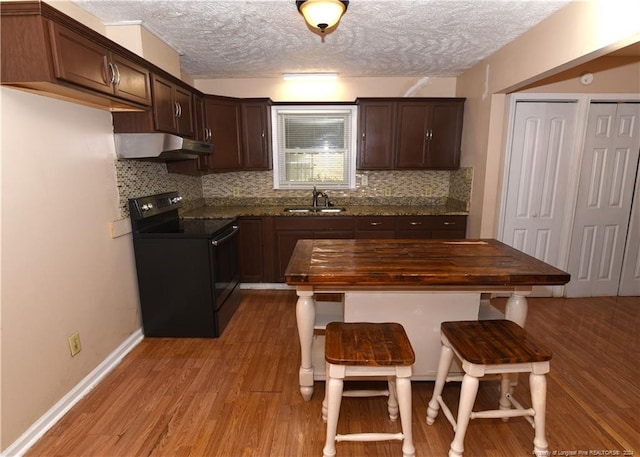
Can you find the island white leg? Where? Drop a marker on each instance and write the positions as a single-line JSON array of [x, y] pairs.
[[517, 307], [515, 310], [305, 316]]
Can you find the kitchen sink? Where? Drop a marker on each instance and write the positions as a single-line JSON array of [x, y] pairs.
[[329, 209]]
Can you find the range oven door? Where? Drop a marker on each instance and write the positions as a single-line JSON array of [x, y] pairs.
[[223, 252]]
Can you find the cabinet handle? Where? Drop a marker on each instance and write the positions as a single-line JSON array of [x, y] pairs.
[[207, 134], [414, 223], [449, 223], [430, 134], [375, 224], [178, 109], [263, 134], [117, 81], [112, 73], [363, 133]]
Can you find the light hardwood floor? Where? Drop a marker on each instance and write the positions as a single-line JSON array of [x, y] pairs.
[[237, 396]]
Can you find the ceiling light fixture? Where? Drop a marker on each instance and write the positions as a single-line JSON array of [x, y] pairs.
[[310, 76], [322, 15]]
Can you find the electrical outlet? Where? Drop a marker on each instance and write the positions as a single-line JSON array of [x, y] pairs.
[[236, 191], [387, 191], [74, 344], [364, 180], [427, 191]]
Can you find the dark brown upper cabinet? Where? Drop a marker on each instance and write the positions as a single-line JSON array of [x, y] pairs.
[[428, 134], [376, 128], [256, 134], [420, 133], [223, 117], [172, 111], [48, 52], [172, 108], [81, 61]]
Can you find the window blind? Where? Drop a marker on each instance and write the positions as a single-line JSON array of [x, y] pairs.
[[314, 147]]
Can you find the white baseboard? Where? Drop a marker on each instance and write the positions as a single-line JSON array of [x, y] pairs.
[[48, 420]]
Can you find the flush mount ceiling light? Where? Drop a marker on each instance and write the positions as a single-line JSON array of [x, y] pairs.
[[322, 15], [310, 76]]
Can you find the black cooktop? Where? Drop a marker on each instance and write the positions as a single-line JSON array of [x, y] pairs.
[[189, 228]]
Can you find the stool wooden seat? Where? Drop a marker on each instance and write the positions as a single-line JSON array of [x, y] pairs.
[[362, 350], [491, 347]]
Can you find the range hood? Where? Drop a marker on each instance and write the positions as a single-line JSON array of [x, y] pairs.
[[161, 147]]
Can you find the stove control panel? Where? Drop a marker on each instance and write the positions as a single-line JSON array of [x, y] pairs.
[[152, 205]]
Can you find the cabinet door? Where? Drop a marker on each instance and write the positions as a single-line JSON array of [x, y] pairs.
[[251, 250], [223, 116], [256, 134], [376, 123], [285, 243], [445, 135], [79, 60], [411, 138], [199, 119], [183, 98], [164, 108], [132, 80]]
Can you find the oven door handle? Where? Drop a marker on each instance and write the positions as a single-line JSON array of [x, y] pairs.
[[219, 241]]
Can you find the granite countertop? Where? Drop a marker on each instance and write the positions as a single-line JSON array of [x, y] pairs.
[[217, 211]]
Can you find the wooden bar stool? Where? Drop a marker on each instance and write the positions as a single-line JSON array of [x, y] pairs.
[[491, 347], [365, 350]]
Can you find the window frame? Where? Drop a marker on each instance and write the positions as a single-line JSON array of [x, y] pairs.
[[351, 145]]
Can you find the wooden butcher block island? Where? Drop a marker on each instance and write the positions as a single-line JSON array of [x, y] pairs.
[[418, 283]]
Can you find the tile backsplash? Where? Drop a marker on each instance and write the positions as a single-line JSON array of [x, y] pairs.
[[404, 186], [138, 178]]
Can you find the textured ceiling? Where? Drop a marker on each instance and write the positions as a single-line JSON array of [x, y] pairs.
[[266, 38]]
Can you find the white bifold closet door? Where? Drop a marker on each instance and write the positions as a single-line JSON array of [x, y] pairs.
[[605, 195], [536, 187]]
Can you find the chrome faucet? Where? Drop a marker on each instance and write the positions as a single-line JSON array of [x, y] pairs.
[[318, 193]]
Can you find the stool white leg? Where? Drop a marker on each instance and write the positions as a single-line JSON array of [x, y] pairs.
[[538, 386], [392, 403], [444, 364], [403, 386], [334, 398], [468, 394]]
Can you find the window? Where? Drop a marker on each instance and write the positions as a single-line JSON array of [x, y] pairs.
[[314, 146]]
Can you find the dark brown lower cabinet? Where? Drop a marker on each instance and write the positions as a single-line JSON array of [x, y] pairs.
[[266, 243], [288, 230], [251, 249]]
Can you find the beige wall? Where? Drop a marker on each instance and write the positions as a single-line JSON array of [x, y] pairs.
[[61, 270], [578, 33], [344, 89]]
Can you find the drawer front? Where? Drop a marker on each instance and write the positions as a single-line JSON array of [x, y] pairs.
[[375, 223], [314, 223], [422, 223]]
